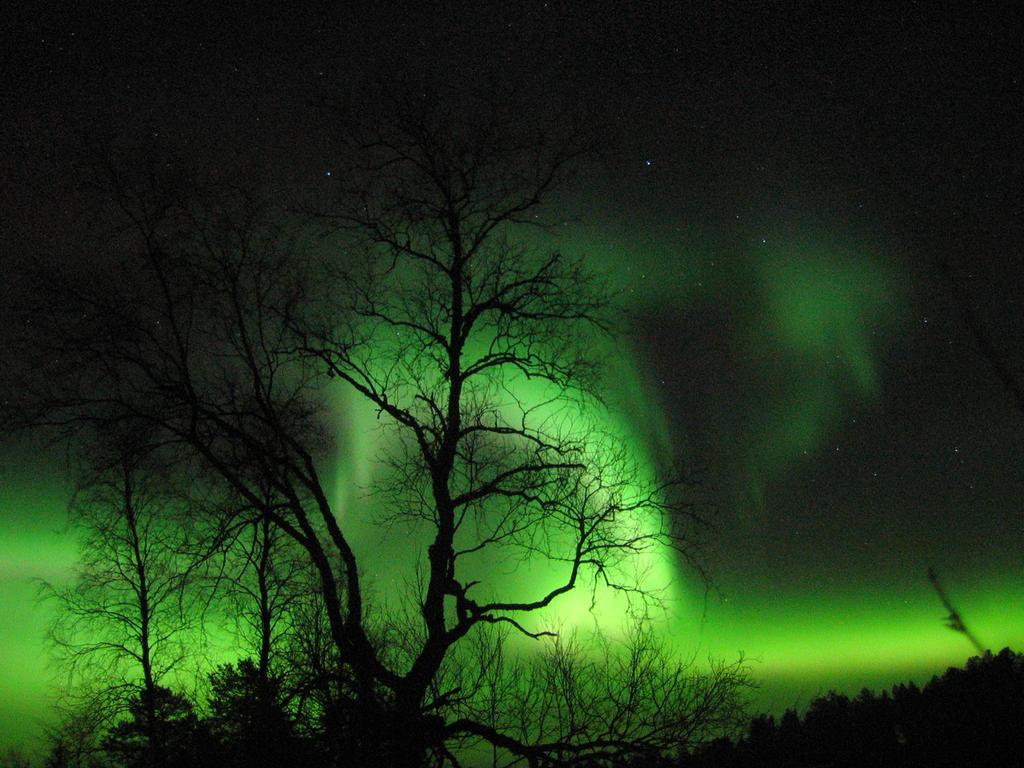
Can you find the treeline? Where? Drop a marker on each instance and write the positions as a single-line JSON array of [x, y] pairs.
[[249, 720], [970, 717]]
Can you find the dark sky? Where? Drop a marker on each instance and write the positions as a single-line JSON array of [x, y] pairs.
[[781, 183]]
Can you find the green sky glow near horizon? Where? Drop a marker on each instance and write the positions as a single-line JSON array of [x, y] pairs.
[[800, 643], [807, 348]]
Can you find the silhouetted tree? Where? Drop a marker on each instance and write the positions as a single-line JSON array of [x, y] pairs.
[[162, 731], [126, 615], [479, 356], [953, 619], [74, 740], [258, 580], [249, 718], [601, 702], [971, 716], [967, 717], [317, 682]]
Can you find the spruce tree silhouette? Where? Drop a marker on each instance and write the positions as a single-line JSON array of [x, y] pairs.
[[248, 718], [970, 717], [162, 731]]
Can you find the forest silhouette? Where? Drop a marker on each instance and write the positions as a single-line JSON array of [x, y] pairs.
[[971, 716]]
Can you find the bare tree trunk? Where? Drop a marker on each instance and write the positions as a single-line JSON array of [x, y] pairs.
[[149, 692]]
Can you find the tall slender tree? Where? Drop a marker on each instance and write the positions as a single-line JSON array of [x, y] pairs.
[[125, 622]]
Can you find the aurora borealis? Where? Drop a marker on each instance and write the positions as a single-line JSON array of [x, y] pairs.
[[771, 220], [822, 601]]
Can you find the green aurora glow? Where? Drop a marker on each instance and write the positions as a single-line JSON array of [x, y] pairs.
[[812, 327], [621, 422]]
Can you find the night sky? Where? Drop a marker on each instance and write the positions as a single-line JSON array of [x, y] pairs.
[[779, 187]]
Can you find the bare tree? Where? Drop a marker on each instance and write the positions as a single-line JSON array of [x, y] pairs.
[[589, 700], [74, 741], [259, 578], [478, 355], [125, 622], [953, 619]]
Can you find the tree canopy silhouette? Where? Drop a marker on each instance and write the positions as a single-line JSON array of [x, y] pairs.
[[202, 324], [968, 716]]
